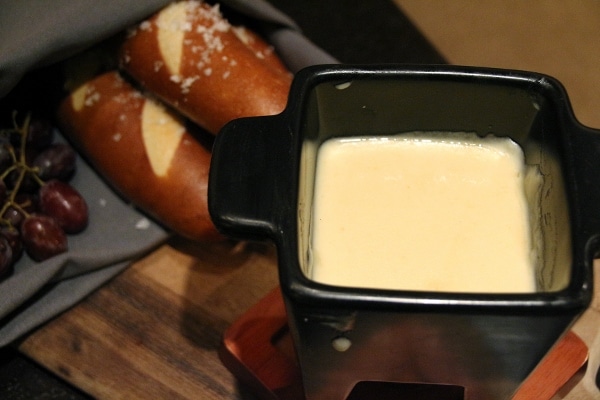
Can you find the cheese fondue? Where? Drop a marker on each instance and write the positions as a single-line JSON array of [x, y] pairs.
[[422, 211]]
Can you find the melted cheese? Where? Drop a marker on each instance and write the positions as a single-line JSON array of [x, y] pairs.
[[161, 134], [422, 212]]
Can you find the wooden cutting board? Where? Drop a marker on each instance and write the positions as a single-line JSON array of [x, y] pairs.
[[154, 331]]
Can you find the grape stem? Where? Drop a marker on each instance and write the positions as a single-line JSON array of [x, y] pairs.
[[19, 164]]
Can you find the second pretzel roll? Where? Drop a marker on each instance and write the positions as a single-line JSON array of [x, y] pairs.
[[192, 58], [143, 150]]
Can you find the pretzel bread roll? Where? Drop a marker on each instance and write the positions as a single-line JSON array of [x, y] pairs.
[[193, 59], [143, 150], [261, 49]]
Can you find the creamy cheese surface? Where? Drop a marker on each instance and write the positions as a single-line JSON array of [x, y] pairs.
[[422, 211]]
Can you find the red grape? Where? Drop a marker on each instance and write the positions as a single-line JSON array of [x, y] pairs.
[[43, 237], [26, 201], [62, 202], [6, 257], [28, 183], [55, 162], [13, 216], [13, 237], [40, 133]]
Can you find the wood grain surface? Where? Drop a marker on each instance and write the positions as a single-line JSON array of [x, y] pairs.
[[154, 331]]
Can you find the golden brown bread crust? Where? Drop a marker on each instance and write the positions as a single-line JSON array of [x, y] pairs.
[[261, 49], [103, 118], [190, 57], [204, 70]]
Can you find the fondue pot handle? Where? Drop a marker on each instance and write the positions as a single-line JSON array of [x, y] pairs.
[[250, 182], [586, 156]]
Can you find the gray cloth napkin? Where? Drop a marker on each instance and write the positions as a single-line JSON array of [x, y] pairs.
[[35, 34], [116, 234]]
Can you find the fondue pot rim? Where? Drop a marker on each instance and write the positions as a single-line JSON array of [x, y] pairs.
[[274, 216]]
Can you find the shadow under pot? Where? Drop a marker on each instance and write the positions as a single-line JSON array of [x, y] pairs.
[[434, 225]]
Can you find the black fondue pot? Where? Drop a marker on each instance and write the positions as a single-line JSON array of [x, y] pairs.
[[261, 187]]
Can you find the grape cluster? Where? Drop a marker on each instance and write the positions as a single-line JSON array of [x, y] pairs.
[[39, 206]]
